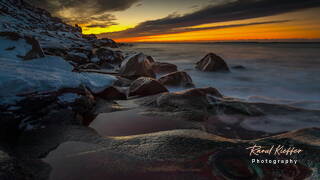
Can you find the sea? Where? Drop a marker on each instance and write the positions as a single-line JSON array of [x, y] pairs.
[[278, 73]]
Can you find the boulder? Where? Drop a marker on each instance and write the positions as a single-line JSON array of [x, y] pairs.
[[178, 78], [160, 67], [192, 99], [212, 62], [146, 86], [136, 66], [112, 93], [207, 100], [57, 107]]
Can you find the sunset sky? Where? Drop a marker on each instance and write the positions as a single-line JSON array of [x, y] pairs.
[[191, 20]]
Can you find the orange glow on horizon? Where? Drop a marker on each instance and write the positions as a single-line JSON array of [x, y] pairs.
[[256, 32]]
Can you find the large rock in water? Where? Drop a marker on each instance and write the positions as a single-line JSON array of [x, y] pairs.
[[178, 78], [160, 67], [212, 62], [136, 66], [192, 99], [146, 86]]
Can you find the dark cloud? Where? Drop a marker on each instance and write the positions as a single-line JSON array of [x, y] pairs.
[[233, 10], [228, 26], [98, 19], [92, 13], [77, 11], [96, 6]]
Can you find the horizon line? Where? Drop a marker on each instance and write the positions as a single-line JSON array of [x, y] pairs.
[[235, 41]]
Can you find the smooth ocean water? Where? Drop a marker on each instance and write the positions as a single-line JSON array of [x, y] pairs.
[[285, 73]]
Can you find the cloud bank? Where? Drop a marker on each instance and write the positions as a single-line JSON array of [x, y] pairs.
[[233, 10]]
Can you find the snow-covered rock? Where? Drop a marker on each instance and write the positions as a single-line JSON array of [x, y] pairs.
[[48, 73]]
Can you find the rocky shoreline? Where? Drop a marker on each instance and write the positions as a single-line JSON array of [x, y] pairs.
[[69, 98]]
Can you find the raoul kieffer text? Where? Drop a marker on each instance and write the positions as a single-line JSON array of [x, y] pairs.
[[276, 150]]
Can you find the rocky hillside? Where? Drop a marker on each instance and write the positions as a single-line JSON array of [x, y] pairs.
[[29, 33], [55, 37], [25, 19]]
